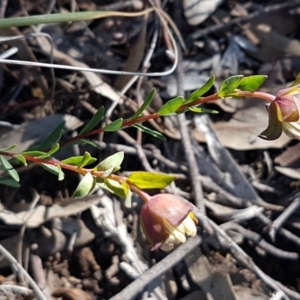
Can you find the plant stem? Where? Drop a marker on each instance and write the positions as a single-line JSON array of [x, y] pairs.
[[259, 95], [127, 123], [72, 168], [144, 196]]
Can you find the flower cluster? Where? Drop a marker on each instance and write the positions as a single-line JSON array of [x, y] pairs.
[[166, 219]]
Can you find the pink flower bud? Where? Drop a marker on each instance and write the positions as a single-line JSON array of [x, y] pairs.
[[284, 115], [166, 219]]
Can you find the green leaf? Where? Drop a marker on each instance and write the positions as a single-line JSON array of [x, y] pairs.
[[86, 186], [87, 142], [9, 168], [229, 85], [171, 106], [202, 110], [54, 149], [251, 83], [201, 91], [85, 159], [297, 81], [152, 132], [9, 148], [53, 137], [144, 105], [33, 153], [147, 180], [54, 18], [274, 128], [56, 170], [9, 182], [115, 187], [107, 172], [94, 121], [114, 126], [114, 161], [21, 158], [111, 186], [101, 184], [76, 160]]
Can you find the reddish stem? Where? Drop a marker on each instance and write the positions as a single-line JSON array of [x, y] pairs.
[[129, 122], [144, 196], [260, 95], [81, 171]]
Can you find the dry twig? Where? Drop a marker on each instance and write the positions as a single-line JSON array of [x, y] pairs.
[[15, 265], [137, 286]]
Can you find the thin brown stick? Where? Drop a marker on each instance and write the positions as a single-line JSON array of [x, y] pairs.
[[260, 242], [137, 286], [14, 263], [265, 10], [277, 224], [187, 145], [247, 261]]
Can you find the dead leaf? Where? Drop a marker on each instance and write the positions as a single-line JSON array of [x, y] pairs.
[[272, 45], [216, 284], [242, 130], [135, 58], [98, 85], [197, 11], [242, 136], [289, 172], [42, 214], [51, 238], [290, 157], [30, 133]]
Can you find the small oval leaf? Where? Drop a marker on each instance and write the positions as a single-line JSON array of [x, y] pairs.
[[56, 170], [86, 186], [229, 85], [54, 149], [171, 106], [9, 148], [21, 158], [148, 180], [33, 153], [152, 132], [107, 172], [97, 117], [77, 160], [201, 91], [203, 110], [85, 159], [251, 83], [88, 142], [114, 126], [9, 182], [9, 168], [115, 187], [114, 161], [144, 105], [53, 137]]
